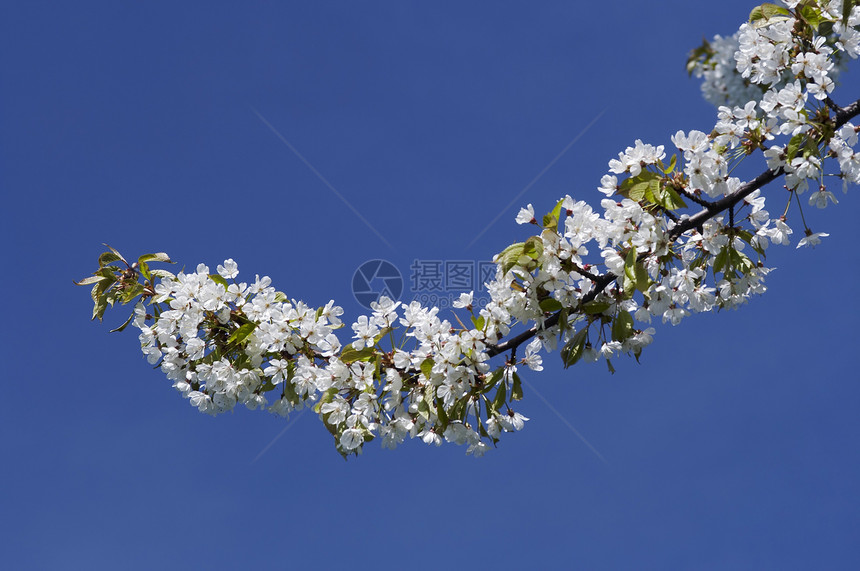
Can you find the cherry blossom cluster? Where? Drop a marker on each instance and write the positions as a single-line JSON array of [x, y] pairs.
[[673, 236], [722, 84], [228, 343], [767, 52]]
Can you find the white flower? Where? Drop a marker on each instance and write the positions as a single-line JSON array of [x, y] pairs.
[[532, 359], [478, 449], [278, 370], [779, 234], [351, 439], [229, 270], [465, 300], [609, 350], [695, 142], [608, 184], [430, 437], [821, 89], [512, 421], [526, 215], [775, 157], [820, 197], [812, 239], [365, 331]]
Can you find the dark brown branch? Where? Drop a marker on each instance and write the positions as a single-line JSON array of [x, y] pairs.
[[842, 116], [600, 284], [847, 113], [723, 204], [692, 196]]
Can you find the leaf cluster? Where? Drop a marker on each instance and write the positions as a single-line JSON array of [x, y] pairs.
[[116, 280]]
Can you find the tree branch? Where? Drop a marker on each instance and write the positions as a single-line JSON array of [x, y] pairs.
[[602, 281]]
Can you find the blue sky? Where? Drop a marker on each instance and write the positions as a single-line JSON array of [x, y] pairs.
[[733, 444]]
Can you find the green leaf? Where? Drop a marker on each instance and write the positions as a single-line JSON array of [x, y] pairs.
[[650, 187], [241, 333], [427, 367], [672, 162], [281, 297], [326, 397], [652, 193], [143, 262], [635, 274], [533, 247], [573, 349], [90, 280], [350, 354], [156, 257], [109, 257], [847, 6], [721, 259], [124, 325], [793, 147], [385, 331], [493, 379], [670, 199], [424, 410], [144, 270], [517, 388], [101, 293], [430, 397], [106, 298], [550, 305], [700, 55], [508, 257], [117, 254], [163, 274], [97, 290], [442, 415], [501, 396], [596, 307], [219, 279], [747, 237], [630, 264], [810, 15], [550, 220], [458, 411], [699, 261], [290, 388], [562, 319], [622, 327], [215, 355], [639, 187], [99, 309], [131, 292], [478, 322], [108, 272], [767, 14], [521, 254], [643, 280], [740, 260], [628, 286], [518, 248]]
